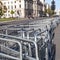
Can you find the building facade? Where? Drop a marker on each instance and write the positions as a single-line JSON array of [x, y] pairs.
[[14, 5], [23, 8], [37, 8], [28, 8], [43, 2]]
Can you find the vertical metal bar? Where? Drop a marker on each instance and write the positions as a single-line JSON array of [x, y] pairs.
[[20, 50], [20, 45], [30, 54], [23, 35], [6, 32], [27, 35], [35, 38], [36, 51], [46, 56]]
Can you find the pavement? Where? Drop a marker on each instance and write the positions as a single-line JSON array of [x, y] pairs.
[[57, 42]]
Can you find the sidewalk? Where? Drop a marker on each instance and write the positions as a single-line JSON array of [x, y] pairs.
[[57, 42]]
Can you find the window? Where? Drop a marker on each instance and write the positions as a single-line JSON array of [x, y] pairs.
[[26, 4], [19, 0], [19, 12], [11, 7], [8, 2], [20, 6], [15, 1], [5, 14], [8, 7], [8, 11], [15, 6]]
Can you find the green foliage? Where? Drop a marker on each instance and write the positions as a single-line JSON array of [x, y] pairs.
[[3, 9], [49, 11], [1, 12], [12, 12]]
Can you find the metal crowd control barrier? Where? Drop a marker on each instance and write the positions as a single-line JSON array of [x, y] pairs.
[[30, 41], [38, 46], [3, 39], [24, 40]]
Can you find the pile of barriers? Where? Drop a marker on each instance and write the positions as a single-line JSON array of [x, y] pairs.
[[29, 42]]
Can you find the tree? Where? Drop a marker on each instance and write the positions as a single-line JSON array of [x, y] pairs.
[[3, 9], [48, 12], [1, 13], [12, 12], [53, 6]]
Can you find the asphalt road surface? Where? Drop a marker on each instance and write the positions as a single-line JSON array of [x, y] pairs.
[[21, 21], [57, 42]]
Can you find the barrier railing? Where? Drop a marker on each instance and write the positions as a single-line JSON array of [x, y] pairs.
[[34, 44]]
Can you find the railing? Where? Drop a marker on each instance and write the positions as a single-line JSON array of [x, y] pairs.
[[41, 41], [9, 51]]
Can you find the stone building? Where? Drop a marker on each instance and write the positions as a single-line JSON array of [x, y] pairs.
[[23, 8]]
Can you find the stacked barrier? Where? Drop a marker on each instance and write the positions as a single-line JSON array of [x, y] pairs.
[[29, 42]]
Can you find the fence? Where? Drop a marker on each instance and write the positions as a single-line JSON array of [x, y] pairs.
[[31, 42]]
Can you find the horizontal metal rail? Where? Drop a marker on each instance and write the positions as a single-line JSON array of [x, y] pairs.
[[14, 37], [20, 38], [9, 51], [7, 56], [20, 46], [12, 40]]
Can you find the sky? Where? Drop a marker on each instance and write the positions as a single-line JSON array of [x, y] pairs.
[[57, 3]]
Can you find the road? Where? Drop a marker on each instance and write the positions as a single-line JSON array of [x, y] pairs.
[[21, 21], [57, 42]]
